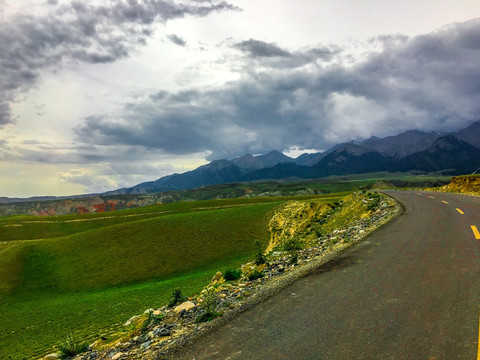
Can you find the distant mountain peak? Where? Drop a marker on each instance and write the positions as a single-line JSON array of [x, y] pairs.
[[246, 156], [273, 158], [403, 144], [446, 142], [275, 152], [247, 162], [470, 134]]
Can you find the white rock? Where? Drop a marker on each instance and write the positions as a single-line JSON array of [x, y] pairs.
[[145, 345], [148, 311], [52, 357], [117, 356], [187, 305], [129, 321], [217, 276]]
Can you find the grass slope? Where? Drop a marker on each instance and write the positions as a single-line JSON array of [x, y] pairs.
[[26, 227], [91, 276]]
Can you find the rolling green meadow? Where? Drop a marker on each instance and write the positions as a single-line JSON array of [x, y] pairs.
[[87, 274]]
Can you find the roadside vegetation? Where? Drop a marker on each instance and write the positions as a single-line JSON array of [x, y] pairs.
[[86, 279], [466, 184]]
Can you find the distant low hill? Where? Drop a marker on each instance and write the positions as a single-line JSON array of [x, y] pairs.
[[414, 150]]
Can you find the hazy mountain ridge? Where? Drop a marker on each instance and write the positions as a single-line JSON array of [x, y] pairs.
[[454, 154], [470, 134]]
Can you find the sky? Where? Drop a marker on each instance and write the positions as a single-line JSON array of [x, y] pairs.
[[98, 95]]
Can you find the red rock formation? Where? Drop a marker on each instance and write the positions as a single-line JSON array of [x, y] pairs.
[[82, 210], [99, 208]]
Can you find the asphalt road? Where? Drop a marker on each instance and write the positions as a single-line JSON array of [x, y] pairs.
[[409, 291]]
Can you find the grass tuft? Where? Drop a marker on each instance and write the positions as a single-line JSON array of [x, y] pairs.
[[71, 347]]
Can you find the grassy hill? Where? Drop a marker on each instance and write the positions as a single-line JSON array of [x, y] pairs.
[[89, 273]]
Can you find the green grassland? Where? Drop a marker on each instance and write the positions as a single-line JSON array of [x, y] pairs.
[[89, 273]]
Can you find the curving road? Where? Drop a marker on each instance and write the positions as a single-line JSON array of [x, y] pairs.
[[409, 291]]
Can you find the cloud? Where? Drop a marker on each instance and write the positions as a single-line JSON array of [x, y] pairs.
[[80, 32], [265, 54], [256, 48], [87, 177], [426, 82], [177, 40], [101, 177]]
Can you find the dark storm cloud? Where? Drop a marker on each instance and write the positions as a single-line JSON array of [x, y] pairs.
[[258, 48], [79, 33], [427, 82], [269, 54], [177, 40]]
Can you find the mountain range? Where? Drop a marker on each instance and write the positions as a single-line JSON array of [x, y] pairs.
[[413, 150]]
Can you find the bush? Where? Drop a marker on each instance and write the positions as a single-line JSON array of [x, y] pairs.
[[259, 257], [70, 347], [374, 201], [176, 298], [147, 321], [157, 319], [292, 246], [255, 275], [232, 275], [209, 307]]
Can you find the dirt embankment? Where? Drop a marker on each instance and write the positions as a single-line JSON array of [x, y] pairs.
[[467, 184]]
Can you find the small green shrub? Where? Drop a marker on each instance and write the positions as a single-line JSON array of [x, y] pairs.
[[157, 319], [205, 317], [208, 307], [292, 246], [259, 257], [231, 275], [71, 347], [176, 298], [374, 201], [255, 275], [147, 321]]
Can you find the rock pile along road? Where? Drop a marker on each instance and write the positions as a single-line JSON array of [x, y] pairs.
[[409, 291]]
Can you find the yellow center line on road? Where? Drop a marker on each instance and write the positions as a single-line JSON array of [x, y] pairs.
[[475, 232], [431, 197], [418, 194], [444, 202], [460, 211]]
